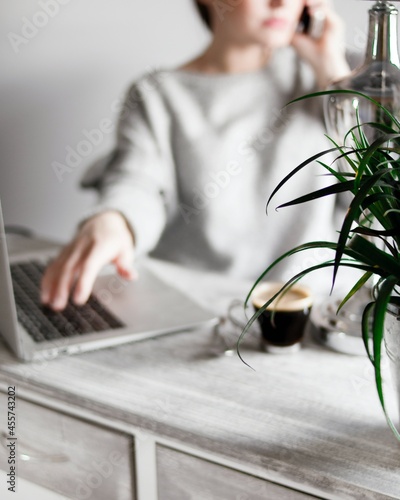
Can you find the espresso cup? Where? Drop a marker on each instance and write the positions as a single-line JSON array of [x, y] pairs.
[[282, 331]]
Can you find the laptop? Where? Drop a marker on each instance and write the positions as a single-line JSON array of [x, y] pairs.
[[117, 312]]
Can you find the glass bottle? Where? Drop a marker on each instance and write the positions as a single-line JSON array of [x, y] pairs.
[[378, 77]]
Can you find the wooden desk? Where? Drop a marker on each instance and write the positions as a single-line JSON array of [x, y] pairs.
[[169, 419]]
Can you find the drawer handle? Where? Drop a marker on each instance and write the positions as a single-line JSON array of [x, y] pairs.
[[34, 455]]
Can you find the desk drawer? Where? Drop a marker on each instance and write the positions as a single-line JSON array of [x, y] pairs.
[[70, 456], [186, 477]]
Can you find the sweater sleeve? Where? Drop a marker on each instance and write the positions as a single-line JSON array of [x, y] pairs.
[[136, 178]]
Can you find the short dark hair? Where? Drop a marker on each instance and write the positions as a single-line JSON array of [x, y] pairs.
[[204, 13]]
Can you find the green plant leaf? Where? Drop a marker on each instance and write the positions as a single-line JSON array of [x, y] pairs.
[[320, 193], [350, 92], [343, 153], [391, 247], [297, 169], [351, 216], [340, 176], [360, 283], [368, 156], [376, 197], [375, 257], [375, 232], [374, 125], [349, 251], [365, 328], [379, 313]]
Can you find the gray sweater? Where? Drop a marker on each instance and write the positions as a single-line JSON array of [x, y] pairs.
[[197, 156]]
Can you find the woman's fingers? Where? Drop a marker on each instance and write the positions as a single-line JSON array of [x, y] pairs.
[[59, 277], [124, 264], [94, 261], [91, 264], [325, 54], [102, 239]]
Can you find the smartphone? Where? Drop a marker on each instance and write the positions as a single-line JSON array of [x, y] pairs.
[[312, 25]]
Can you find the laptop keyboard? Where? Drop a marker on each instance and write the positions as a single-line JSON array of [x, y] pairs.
[[41, 322]]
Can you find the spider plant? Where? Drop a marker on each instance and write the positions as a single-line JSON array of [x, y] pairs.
[[369, 236]]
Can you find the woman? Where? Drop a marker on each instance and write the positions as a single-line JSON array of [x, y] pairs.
[[200, 148]]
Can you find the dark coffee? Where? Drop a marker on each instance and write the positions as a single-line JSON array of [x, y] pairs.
[[286, 326]]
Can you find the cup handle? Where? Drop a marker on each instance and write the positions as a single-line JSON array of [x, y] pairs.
[[232, 307]]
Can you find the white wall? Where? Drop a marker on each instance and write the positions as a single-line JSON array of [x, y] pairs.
[[64, 80]]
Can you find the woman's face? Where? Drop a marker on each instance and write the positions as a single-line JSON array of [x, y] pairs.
[[271, 23]]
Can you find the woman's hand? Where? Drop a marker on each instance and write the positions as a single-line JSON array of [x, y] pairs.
[[326, 54], [102, 239]]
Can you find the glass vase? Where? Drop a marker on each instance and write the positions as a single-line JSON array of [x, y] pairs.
[[378, 77]]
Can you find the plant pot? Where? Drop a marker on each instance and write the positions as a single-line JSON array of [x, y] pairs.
[[392, 343]]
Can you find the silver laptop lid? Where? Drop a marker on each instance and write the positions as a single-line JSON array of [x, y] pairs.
[[8, 314]]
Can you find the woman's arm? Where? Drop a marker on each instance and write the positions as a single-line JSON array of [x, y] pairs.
[[131, 212]]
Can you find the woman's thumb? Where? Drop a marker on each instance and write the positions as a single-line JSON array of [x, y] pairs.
[[124, 265]]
